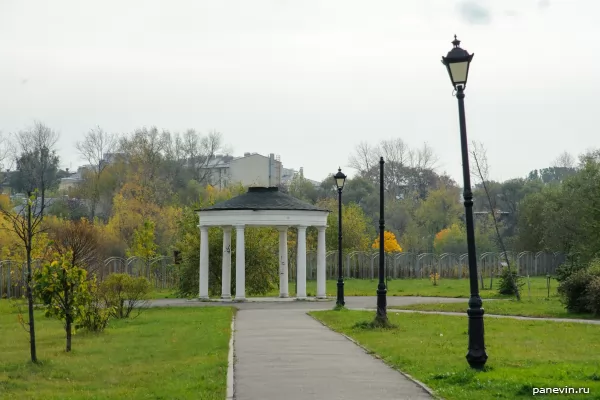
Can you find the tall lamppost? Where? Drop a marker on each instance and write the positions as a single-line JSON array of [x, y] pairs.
[[340, 180], [457, 63], [381, 315]]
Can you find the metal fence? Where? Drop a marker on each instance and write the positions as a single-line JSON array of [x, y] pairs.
[[355, 264], [160, 271], [364, 264]]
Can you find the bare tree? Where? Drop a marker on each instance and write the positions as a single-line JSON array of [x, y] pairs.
[[424, 158], [364, 158], [26, 224], [80, 239], [200, 151], [94, 147], [174, 155], [6, 158], [564, 160], [6, 149], [38, 162], [479, 155]]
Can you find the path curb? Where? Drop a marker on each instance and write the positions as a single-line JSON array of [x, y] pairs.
[[423, 386], [518, 317], [230, 395]]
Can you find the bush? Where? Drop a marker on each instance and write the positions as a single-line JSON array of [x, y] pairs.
[[593, 295], [565, 270], [573, 291], [509, 282], [122, 294], [94, 315]]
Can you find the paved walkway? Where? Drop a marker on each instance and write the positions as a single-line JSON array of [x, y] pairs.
[[285, 354], [282, 353], [352, 302]]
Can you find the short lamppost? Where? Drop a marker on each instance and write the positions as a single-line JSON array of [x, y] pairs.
[[340, 180], [457, 63]]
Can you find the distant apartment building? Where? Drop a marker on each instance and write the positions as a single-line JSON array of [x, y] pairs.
[[256, 170], [252, 169], [72, 180], [289, 174]]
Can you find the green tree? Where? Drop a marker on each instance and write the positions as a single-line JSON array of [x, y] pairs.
[[441, 209], [94, 147], [27, 226], [144, 245], [357, 231], [63, 289], [301, 188], [37, 164], [451, 240]]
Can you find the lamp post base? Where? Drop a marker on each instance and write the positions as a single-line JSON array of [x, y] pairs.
[[381, 315], [476, 356], [340, 293]]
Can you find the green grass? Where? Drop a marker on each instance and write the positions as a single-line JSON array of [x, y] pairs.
[[164, 294], [421, 287], [175, 353], [534, 307], [522, 354], [458, 288]]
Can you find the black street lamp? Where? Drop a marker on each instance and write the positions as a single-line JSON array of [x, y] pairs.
[[340, 180], [457, 62], [381, 315]]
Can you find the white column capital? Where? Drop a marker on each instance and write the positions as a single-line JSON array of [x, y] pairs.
[[226, 228], [321, 228], [239, 226], [203, 228], [301, 227], [282, 228]]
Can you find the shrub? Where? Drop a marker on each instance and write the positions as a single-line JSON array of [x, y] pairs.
[[573, 291], [593, 295], [565, 270], [123, 294], [509, 282], [94, 315]]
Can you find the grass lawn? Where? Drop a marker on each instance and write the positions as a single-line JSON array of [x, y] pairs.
[[421, 287], [175, 353], [401, 287], [522, 354], [534, 307], [164, 294]]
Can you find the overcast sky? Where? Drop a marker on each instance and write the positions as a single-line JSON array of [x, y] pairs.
[[309, 79]]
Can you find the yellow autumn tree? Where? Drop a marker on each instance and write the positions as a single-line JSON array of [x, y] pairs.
[[390, 244], [451, 240]]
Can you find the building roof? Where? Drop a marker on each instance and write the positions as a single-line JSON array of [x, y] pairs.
[[263, 198]]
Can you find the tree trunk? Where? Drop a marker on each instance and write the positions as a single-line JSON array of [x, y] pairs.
[[32, 348], [43, 199], [68, 316], [95, 199], [68, 328]]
